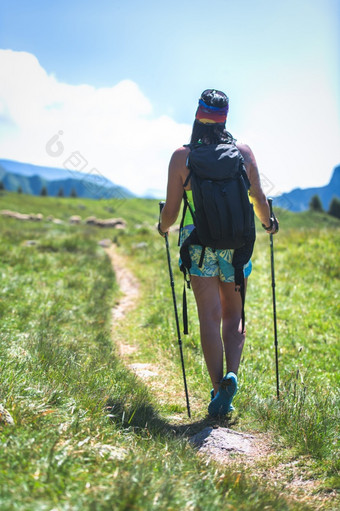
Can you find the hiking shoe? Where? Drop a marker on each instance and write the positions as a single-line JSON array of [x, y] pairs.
[[221, 403], [231, 408]]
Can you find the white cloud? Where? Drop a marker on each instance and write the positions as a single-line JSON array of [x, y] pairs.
[[112, 128], [295, 132]]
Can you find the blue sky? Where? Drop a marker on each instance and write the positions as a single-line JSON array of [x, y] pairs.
[[148, 62]]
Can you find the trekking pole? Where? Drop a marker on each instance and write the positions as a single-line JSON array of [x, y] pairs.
[[161, 206], [272, 215]]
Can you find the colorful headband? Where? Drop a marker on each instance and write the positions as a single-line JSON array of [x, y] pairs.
[[211, 114]]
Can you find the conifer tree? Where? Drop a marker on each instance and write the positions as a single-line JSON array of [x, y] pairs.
[[43, 191], [334, 207], [315, 203]]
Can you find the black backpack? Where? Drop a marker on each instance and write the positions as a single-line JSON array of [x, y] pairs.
[[223, 215]]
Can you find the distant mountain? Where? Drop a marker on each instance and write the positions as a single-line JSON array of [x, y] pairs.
[[32, 178], [298, 199], [154, 193]]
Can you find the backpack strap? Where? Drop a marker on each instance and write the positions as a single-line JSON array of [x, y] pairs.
[[241, 256], [185, 207], [185, 268], [188, 176], [185, 198], [239, 286], [200, 264]]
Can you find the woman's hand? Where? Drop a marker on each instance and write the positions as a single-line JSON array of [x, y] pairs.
[[273, 227], [162, 233]]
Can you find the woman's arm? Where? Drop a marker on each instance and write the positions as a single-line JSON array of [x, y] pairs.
[[257, 196], [176, 177]]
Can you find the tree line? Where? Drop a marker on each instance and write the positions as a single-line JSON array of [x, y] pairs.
[[315, 204], [44, 192]]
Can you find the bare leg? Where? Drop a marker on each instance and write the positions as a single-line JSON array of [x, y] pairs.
[[207, 295], [233, 338]]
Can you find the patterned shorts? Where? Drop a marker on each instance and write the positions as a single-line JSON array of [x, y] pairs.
[[216, 263]]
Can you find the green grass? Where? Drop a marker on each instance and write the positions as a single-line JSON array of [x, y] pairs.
[[88, 434]]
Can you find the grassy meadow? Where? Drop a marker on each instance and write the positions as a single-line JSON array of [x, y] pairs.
[[90, 435]]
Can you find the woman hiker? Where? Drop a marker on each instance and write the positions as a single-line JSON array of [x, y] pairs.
[[213, 281]]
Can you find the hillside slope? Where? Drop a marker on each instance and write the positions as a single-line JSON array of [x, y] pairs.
[[298, 199], [31, 179]]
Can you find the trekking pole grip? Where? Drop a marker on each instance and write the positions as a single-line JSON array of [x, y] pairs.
[[270, 202], [161, 206], [272, 214]]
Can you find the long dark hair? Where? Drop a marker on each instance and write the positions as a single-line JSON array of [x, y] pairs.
[[210, 134]]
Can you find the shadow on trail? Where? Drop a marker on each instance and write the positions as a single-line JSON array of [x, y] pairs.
[[144, 418]]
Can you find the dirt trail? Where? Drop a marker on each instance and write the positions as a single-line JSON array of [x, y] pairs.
[[247, 451], [127, 282], [129, 287]]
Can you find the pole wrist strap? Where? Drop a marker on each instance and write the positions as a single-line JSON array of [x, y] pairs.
[[160, 230], [269, 228]]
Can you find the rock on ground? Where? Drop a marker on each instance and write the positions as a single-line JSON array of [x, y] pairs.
[[221, 442]]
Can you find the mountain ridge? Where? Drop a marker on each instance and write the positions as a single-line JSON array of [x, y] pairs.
[[298, 199], [32, 178]]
